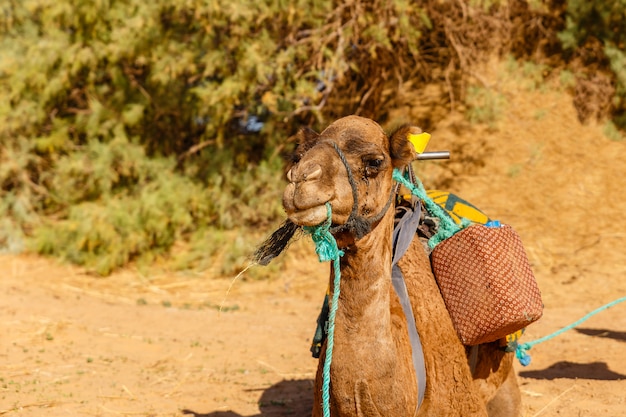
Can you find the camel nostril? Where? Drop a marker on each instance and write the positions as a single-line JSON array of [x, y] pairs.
[[314, 174], [311, 172]]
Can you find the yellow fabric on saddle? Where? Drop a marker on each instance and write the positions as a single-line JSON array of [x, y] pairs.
[[457, 208], [510, 342]]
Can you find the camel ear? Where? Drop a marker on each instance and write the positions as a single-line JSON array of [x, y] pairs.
[[307, 135], [305, 138], [406, 143]]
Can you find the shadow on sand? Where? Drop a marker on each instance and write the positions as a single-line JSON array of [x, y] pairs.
[[292, 398], [564, 369], [608, 334]]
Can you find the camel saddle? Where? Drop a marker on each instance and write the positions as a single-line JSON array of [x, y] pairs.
[[482, 271]]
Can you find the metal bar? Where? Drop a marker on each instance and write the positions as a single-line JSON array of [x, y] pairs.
[[433, 155]]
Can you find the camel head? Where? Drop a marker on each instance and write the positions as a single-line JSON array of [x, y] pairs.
[[349, 165]]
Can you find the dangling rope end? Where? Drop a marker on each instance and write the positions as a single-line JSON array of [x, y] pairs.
[[521, 355], [520, 351], [327, 250]]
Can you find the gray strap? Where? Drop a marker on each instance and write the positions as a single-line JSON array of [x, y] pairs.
[[403, 235], [404, 231]]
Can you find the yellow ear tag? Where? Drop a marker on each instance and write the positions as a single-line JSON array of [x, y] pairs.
[[419, 141]]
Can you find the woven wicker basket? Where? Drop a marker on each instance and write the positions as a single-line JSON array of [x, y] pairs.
[[487, 283]]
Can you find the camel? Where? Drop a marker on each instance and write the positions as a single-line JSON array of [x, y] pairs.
[[372, 373]]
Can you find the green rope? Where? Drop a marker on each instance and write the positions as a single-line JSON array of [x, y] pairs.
[[447, 226], [524, 358], [327, 250]]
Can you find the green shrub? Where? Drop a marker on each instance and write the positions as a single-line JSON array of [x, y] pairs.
[[600, 25], [188, 75], [122, 206], [126, 126]]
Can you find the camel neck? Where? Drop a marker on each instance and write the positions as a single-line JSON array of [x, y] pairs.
[[364, 332], [366, 279]]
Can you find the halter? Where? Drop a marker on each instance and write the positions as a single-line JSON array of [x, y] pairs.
[[358, 225]]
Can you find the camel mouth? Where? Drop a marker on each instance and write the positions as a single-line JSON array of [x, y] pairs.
[[309, 217]]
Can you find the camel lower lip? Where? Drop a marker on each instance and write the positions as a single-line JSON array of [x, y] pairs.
[[309, 217]]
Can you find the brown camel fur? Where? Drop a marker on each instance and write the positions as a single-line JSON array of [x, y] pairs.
[[372, 373]]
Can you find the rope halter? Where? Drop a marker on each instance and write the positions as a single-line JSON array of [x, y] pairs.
[[356, 224]]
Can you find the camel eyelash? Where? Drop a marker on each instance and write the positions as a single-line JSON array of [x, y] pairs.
[[373, 161]]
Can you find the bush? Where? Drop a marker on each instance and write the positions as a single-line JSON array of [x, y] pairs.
[[122, 206], [595, 39], [186, 75], [126, 126]]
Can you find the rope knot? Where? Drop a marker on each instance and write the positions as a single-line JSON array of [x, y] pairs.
[[521, 355], [447, 227], [325, 244]]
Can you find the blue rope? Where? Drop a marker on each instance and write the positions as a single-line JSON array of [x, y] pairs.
[[521, 350], [327, 250]]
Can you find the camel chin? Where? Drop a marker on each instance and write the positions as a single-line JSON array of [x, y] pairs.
[[309, 217]]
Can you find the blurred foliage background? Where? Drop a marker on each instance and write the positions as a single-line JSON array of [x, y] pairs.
[[135, 131]]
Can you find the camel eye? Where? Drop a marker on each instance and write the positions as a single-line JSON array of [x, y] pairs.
[[373, 166]]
